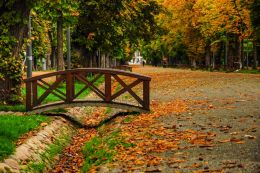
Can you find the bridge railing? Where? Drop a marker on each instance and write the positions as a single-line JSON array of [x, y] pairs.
[[68, 97]]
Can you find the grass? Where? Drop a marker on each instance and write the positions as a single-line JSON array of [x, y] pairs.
[[128, 120], [101, 150], [249, 71], [13, 108], [108, 110], [49, 155], [51, 98], [13, 127], [62, 87]]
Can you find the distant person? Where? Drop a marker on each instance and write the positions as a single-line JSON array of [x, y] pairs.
[[143, 63]]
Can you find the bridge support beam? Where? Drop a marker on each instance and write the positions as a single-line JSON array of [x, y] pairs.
[[69, 87]]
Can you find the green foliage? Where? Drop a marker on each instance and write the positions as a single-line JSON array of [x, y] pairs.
[[255, 17], [13, 19], [13, 127], [11, 70], [50, 10], [115, 26]]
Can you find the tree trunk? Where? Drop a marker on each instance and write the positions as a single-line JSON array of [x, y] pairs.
[[60, 59], [207, 55], [230, 52], [238, 52], [193, 63], [255, 63], [242, 54], [226, 53], [53, 50], [19, 32], [48, 62]]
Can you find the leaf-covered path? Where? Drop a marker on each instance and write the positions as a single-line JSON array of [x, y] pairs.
[[200, 122]]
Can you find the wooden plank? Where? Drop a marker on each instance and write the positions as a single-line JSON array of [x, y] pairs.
[[91, 70], [35, 93], [146, 94], [78, 103], [69, 87]]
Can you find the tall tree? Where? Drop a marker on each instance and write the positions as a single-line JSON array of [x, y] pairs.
[[63, 13], [255, 19], [13, 29]]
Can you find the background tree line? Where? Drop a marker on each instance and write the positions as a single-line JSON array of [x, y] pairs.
[[208, 33]]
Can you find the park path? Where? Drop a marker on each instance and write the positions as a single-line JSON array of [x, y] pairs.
[[200, 122]]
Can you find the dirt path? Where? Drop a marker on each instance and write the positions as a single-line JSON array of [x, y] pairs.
[[200, 122]]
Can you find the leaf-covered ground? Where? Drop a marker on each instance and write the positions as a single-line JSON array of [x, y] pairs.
[[200, 122]]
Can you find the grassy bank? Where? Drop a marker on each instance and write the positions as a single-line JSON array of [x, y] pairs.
[[13, 127], [53, 151]]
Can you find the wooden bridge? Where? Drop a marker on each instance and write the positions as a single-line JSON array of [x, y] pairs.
[[69, 97]]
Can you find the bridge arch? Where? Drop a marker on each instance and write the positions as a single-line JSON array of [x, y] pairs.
[[69, 97]]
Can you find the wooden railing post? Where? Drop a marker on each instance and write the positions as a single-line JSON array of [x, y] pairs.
[[146, 94], [108, 87], [69, 87], [28, 96], [34, 93]]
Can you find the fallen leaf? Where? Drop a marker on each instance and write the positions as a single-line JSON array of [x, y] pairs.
[[44, 124], [250, 137], [224, 141]]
